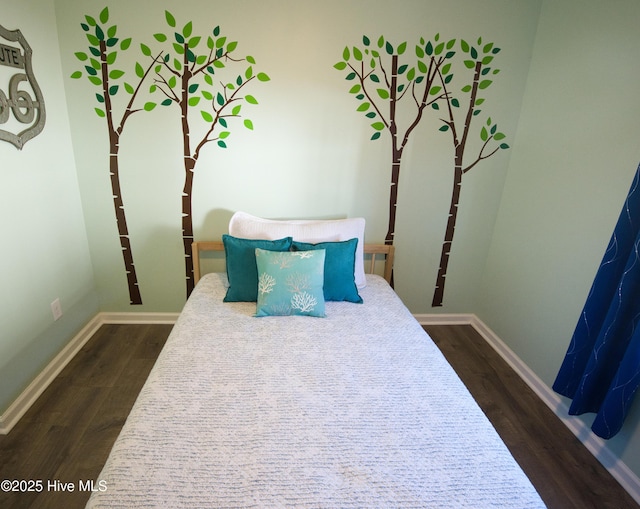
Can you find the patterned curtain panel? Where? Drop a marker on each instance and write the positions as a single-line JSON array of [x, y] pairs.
[[601, 371]]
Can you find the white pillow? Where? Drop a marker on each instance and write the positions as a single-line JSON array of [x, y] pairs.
[[246, 226]]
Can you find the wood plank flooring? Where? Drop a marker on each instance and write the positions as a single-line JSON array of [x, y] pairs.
[[563, 471], [67, 434], [69, 431]]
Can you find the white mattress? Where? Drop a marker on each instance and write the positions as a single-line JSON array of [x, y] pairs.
[[358, 409]]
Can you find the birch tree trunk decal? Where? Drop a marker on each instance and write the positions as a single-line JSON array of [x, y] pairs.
[[381, 81], [99, 69], [478, 61], [187, 79]]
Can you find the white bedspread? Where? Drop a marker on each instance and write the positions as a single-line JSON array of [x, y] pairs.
[[358, 409]]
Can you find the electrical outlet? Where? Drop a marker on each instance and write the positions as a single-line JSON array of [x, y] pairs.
[[56, 309]]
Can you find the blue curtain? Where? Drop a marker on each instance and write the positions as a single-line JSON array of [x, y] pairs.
[[601, 370]]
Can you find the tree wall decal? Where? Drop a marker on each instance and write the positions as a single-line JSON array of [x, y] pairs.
[[99, 68], [186, 78], [457, 120], [382, 81]]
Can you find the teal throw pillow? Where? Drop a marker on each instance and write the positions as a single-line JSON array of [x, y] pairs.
[[339, 262], [242, 273], [290, 283]]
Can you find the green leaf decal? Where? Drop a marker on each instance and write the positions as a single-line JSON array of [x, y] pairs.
[[378, 126], [341, 66], [81, 56], [248, 124], [444, 128], [222, 144], [104, 15], [100, 113], [76, 75], [263, 77], [166, 102], [383, 93], [402, 48], [149, 106], [187, 30], [171, 21], [250, 99], [429, 48], [115, 74], [375, 136], [208, 117], [484, 84], [364, 106]]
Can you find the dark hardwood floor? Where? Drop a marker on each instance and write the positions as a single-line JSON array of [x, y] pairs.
[[67, 435], [563, 471]]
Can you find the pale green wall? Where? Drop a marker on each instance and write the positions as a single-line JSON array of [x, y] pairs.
[[310, 153], [534, 221], [574, 157], [44, 251]]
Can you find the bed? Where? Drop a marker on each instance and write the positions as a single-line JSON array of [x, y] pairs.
[[353, 408]]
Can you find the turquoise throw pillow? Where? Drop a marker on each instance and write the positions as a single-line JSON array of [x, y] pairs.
[[290, 283], [339, 262], [242, 273]]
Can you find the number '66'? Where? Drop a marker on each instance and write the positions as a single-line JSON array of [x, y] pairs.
[[19, 101]]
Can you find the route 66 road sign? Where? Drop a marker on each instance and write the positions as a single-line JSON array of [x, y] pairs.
[[22, 112]]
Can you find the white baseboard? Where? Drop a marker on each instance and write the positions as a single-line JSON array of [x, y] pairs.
[[23, 402], [594, 444], [167, 318], [33, 391]]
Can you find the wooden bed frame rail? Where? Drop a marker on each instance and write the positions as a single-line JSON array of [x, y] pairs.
[[372, 253]]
